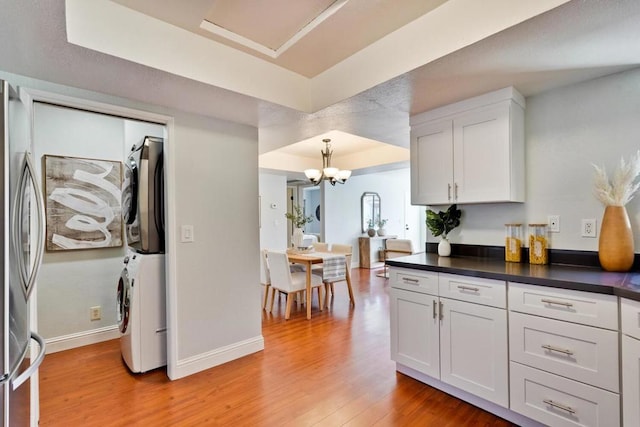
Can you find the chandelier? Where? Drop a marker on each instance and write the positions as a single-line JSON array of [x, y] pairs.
[[327, 173]]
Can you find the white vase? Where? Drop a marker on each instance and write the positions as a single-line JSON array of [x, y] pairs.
[[382, 232], [444, 247], [297, 237]]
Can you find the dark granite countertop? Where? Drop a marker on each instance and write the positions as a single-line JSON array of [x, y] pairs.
[[588, 279]]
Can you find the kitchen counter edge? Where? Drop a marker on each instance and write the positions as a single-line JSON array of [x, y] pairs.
[[622, 284]]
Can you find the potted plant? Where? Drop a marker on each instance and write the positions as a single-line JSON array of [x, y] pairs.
[[381, 223], [298, 219], [371, 231], [441, 223]]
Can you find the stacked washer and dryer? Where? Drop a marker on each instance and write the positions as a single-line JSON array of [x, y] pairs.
[[141, 307]]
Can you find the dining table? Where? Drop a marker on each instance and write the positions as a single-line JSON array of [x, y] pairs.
[[308, 259]]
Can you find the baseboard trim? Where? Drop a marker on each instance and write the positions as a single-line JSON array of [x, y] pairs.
[[216, 357], [80, 339]]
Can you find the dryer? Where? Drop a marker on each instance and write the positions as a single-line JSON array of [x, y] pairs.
[[141, 312]]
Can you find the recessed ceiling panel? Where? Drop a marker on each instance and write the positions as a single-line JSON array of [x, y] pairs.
[[267, 22]]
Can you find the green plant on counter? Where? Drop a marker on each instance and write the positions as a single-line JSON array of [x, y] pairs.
[[297, 217], [371, 223], [441, 223], [381, 222]]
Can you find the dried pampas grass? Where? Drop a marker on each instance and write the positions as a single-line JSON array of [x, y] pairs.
[[621, 189]]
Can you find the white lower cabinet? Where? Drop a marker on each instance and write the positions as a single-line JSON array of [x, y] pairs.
[[564, 356], [458, 342], [558, 401], [630, 314], [415, 331], [473, 349]]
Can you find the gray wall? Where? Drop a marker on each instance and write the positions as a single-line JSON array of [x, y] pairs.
[[567, 130]]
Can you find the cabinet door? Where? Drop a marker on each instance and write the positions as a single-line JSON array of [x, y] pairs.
[[414, 331], [481, 153], [630, 381], [473, 352], [432, 163]]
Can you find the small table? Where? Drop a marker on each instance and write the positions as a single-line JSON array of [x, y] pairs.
[[308, 259]]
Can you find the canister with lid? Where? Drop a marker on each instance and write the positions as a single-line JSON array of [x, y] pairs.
[[538, 244], [513, 243]]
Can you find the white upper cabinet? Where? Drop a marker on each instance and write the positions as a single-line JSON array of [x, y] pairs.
[[469, 152]]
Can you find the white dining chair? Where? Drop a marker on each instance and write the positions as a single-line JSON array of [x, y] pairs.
[[283, 280], [266, 279]]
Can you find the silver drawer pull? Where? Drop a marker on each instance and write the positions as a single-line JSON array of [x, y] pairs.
[[569, 409], [441, 307], [557, 350], [435, 315], [550, 301], [468, 288], [414, 281]]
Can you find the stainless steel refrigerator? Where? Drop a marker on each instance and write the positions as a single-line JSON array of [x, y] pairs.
[[22, 248]]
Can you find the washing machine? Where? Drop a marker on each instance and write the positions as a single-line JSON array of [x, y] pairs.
[[142, 312]]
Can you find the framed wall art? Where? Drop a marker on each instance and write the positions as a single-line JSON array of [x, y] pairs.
[[82, 203]]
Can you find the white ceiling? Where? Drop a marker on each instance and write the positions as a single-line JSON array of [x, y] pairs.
[[354, 25], [579, 40]]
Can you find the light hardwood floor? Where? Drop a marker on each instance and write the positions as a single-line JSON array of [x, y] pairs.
[[333, 370]]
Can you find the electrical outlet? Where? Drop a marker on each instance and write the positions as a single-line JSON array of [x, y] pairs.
[[554, 223], [95, 313], [589, 228]]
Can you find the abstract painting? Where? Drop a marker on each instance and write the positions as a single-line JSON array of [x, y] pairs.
[[83, 205]]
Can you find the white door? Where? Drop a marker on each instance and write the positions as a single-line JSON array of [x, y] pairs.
[[415, 331], [414, 224], [473, 349]]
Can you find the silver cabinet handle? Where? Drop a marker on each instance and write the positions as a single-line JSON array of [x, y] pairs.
[[435, 315], [468, 288], [441, 309], [557, 350], [448, 191], [408, 280], [569, 409], [455, 191], [550, 301]]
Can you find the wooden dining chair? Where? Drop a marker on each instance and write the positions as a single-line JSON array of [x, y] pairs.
[[347, 250], [283, 280], [320, 247], [395, 248]]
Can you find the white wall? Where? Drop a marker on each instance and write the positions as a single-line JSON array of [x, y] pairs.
[[216, 185], [273, 224], [567, 130], [342, 207]]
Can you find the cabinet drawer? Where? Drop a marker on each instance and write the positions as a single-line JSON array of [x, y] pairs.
[[579, 352], [557, 401], [630, 317], [565, 304], [472, 289], [414, 280]]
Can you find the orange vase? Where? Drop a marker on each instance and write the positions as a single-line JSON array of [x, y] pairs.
[[615, 247]]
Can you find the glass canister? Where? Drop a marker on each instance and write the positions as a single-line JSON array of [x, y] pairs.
[[513, 243], [538, 244]]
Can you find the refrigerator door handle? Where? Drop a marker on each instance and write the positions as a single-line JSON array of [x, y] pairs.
[[17, 382], [28, 277]]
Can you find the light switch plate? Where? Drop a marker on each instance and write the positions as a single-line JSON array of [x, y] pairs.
[[186, 233]]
